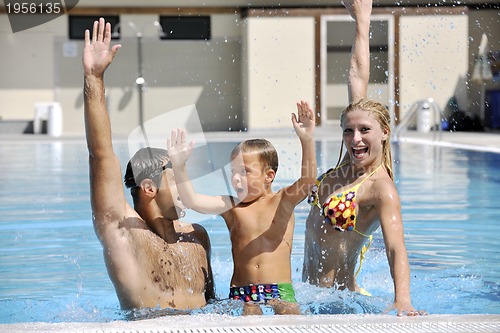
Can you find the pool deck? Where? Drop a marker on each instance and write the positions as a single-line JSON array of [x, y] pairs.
[[484, 141], [276, 324]]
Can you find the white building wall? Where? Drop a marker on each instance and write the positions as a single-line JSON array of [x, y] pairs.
[[433, 58], [279, 69]]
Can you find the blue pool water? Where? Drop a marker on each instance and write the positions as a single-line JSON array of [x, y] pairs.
[[51, 266]]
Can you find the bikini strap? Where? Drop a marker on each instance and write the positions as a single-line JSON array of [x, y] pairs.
[[313, 198], [365, 248], [371, 174], [363, 252]]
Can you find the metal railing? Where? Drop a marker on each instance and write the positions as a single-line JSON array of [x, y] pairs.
[[426, 114]]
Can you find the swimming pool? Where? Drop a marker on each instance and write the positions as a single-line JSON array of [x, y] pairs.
[[51, 266]]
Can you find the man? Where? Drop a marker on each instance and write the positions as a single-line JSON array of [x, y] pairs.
[[152, 259]]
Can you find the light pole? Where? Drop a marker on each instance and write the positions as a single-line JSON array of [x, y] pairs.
[[140, 81], [482, 72]]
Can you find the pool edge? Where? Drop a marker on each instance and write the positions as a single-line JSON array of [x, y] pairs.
[[480, 141], [305, 323]]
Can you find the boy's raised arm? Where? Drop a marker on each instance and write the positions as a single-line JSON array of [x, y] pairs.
[[179, 152], [304, 125]]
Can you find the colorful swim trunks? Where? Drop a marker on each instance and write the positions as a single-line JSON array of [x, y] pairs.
[[261, 293]]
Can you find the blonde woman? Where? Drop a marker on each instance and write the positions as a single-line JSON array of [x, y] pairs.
[[350, 201]]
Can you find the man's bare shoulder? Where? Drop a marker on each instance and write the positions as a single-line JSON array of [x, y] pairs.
[[125, 234], [112, 225], [188, 227], [192, 232]]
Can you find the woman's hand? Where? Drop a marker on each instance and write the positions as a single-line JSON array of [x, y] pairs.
[[406, 309]]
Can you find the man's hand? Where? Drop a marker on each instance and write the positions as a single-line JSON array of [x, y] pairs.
[[97, 54], [178, 150], [304, 123]]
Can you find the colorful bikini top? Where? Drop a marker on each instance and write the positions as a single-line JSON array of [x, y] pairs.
[[340, 210]]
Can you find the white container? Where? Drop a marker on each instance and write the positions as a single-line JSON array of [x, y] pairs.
[[52, 113], [424, 116]]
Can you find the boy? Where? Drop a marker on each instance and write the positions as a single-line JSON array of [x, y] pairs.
[[260, 221]]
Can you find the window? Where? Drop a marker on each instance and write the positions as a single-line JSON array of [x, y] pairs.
[[185, 27], [78, 24]]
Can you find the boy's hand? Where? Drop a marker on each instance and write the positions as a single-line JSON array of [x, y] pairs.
[[178, 150], [304, 124], [97, 54]]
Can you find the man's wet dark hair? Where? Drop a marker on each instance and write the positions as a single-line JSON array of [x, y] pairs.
[[147, 163]]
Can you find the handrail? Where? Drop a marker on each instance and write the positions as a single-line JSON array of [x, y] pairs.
[[427, 104]]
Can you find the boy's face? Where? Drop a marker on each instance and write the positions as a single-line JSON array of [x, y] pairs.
[[248, 177]]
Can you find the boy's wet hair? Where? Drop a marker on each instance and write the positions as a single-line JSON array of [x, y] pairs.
[[266, 151], [147, 163]]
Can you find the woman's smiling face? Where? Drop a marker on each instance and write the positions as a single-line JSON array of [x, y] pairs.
[[363, 137]]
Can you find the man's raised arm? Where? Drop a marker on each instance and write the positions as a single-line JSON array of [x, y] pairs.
[[107, 198]]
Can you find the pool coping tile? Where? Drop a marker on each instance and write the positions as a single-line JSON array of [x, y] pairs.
[[214, 323]]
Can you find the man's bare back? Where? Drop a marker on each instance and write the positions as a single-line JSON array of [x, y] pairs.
[[149, 272]]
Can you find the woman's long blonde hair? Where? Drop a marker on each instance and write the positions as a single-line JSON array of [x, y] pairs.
[[382, 116]]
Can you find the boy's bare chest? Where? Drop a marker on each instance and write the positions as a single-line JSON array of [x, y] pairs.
[[259, 217]]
